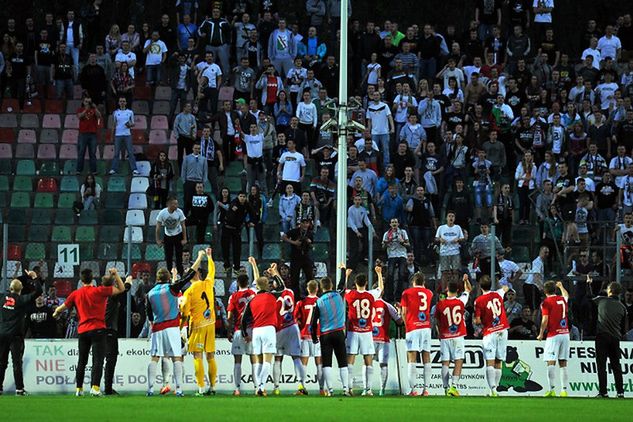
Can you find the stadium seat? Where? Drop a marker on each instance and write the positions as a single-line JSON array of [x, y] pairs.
[[39, 233], [139, 184], [54, 106], [35, 251], [272, 252], [7, 135], [71, 121], [24, 151], [140, 107], [4, 202], [135, 218], [135, 252], [6, 151], [64, 216], [321, 252], [152, 217], [521, 254], [22, 184], [159, 122], [160, 107], [110, 234], [144, 167], [172, 153], [70, 167], [43, 200], [154, 252], [19, 216], [10, 105], [142, 92], [68, 152], [137, 201], [173, 139], [63, 271], [16, 233], [157, 137], [49, 136], [66, 200], [20, 200], [63, 287], [119, 265], [26, 136], [30, 121], [108, 152], [4, 184], [108, 251], [137, 235], [46, 152], [69, 184], [140, 122], [117, 184], [78, 92], [112, 217], [89, 265], [162, 93], [85, 234], [47, 184], [49, 168], [115, 201], [150, 234], [51, 121], [14, 252], [61, 234], [88, 217], [42, 216], [141, 267], [8, 120], [86, 252], [71, 107], [35, 106], [70, 136], [139, 137]]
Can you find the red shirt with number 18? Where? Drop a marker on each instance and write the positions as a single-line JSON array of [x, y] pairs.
[[489, 307], [359, 309]]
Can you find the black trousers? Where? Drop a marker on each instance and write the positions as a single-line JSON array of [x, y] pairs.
[[357, 247], [15, 345], [95, 340], [608, 346], [184, 144], [111, 355], [172, 244], [297, 264], [333, 343], [231, 238], [189, 189]]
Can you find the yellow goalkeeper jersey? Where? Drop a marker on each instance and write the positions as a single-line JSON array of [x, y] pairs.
[[199, 301]]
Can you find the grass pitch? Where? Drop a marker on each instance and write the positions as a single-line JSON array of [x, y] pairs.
[[227, 408]]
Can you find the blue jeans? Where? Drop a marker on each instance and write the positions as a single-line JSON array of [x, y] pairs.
[[64, 86], [118, 140], [87, 140], [153, 74], [483, 190], [428, 68], [74, 53], [382, 140], [396, 278]]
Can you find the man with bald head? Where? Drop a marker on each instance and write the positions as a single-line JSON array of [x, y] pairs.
[[12, 313]]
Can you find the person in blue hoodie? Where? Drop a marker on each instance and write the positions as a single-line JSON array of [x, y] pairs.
[[282, 48]]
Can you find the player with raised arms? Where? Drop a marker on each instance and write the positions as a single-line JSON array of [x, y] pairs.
[[416, 313], [491, 313], [554, 311], [449, 317], [303, 315]]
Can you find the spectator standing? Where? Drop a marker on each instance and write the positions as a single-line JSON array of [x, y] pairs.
[[481, 249], [449, 236], [525, 176], [123, 122], [287, 206], [209, 82], [254, 157], [171, 221], [90, 192], [226, 119], [533, 284], [93, 79], [62, 74], [155, 55], [215, 159], [215, 36], [41, 323], [235, 216], [43, 60], [185, 30], [126, 55], [200, 208], [113, 309], [194, 170], [185, 128], [381, 125], [300, 239], [161, 175], [71, 34], [122, 83], [395, 241], [523, 326], [358, 233], [270, 85], [257, 202], [291, 169], [89, 118], [282, 48], [422, 223], [513, 308], [180, 84]]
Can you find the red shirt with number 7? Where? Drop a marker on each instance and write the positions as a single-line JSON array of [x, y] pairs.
[[489, 307], [555, 307]]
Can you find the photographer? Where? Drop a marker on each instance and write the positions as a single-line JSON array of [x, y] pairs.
[[395, 241], [160, 176], [300, 239], [89, 117]]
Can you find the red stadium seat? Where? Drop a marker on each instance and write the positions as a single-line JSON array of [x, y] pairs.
[[64, 287], [10, 105], [14, 252], [54, 106], [47, 184], [7, 135], [139, 137], [142, 92], [143, 267], [34, 107]]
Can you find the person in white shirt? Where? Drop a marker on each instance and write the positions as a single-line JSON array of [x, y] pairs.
[[610, 45], [171, 221], [395, 241], [308, 117], [618, 166], [625, 198], [449, 236], [542, 17], [606, 92], [291, 167], [510, 271], [209, 85], [402, 104], [254, 158], [126, 56], [593, 51], [295, 78], [122, 123], [155, 54], [533, 284], [380, 123]]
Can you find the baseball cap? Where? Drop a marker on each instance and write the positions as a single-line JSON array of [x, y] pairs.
[[240, 101]]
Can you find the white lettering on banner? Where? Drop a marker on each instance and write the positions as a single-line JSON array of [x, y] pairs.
[[49, 367]]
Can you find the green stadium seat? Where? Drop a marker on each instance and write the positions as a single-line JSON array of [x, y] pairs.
[[20, 200], [22, 184], [25, 168], [110, 234], [234, 169], [18, 216], [117, 184], [39, 233], [272, 251], [69, 184], [16, 233], [4, 202], [154, 252], [136, 252], [70, 167], [115, 201], [86, 252], [43, 200], [61, 234], [49, 168], [322, 235], [35, 251], [42, 216], [321, 252], [112, 217], [64, 216], [234, 184], [6, 167], [4, 184], [150, 235], [85, 234], [102, 168], [66, 200], [107, 251], [88, 217]]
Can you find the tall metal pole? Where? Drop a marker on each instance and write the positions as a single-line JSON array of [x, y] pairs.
[[493, 255], [341, 186], [4, 283], [128, 303], [618, 264]]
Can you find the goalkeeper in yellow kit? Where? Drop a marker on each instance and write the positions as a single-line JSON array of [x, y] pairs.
[[198, 306]]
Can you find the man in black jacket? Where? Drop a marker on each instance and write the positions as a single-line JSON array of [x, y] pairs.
[[12, 320], [234, 219], [112, 333]]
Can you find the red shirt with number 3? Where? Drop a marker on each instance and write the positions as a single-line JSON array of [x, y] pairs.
[[417, 300]]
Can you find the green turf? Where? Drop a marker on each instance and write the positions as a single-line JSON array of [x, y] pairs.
[[286, 408]]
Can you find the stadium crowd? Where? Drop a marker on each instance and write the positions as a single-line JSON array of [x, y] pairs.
[[492, 125]]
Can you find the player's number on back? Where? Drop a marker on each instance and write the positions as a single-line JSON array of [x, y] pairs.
[[287, 305], [309, 308], [378, 317], [424, 301], [453, 315], [363, 308], [495, 307], [564, 306]]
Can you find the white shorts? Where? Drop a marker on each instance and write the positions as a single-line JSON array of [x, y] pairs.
[[452, 349], [309, 349], [557, 347], [264, 340], [239, 346], [166, 343], [419, 340], [495, 345], [289, 341], [360, 343], [382, 352]]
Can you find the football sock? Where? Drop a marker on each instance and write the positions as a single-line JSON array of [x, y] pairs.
[[491, 377], [178, 373], [564, 378], [264, 374], [455, 380], [151, 374], [257, 371], [344, 378], [384, 375], [320, 373], [237, 375], [551, 376], [276, 373], [327, 377], [413, 374], [198, 367], [427, 375], [165, 366], [350, 378], [299, 370], [368, 373], [497, 376], [213, 371], [445, 373]]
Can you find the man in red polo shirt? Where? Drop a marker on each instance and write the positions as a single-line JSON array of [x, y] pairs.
[[89, 117], [91, 303]]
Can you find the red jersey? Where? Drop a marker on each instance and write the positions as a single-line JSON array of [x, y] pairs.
[[237, 303], [489, 307], [381, 318], [449, 314], [91, 306], [359, 308], [89, 123], [555, 307], [286, 309], [303, 315], [417, 300], [263, 309]]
